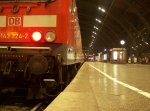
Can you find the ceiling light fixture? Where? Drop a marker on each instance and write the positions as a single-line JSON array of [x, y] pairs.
[[94, 32], [98, 20], [93, 36], [102, 9], [96, 28], [146, 43]]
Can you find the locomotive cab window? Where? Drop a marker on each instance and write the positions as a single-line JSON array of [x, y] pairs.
[[27, 0]]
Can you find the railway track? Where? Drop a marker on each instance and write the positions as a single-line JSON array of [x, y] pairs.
[[21, 104], [24, 107]]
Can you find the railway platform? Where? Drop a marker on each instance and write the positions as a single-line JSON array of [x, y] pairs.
[[106, 87]]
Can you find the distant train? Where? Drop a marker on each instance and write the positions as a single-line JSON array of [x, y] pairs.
[[40, 45]]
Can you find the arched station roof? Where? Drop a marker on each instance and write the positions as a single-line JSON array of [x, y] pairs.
[[103, 23]]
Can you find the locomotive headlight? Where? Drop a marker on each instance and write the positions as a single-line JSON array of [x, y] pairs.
[[36, 36], [50, 36]]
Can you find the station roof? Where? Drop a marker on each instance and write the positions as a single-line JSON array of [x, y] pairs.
[[103, 23]]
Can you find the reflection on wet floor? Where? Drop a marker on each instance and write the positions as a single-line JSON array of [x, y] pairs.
[[106, 87]]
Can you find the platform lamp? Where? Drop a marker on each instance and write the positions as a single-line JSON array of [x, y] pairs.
[[122, 42]]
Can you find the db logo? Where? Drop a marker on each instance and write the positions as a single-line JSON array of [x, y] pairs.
[[14, 21]]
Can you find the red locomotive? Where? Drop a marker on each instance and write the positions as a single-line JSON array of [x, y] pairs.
[[40, 45]]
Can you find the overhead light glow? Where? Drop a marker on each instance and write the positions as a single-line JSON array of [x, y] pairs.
[[122, 42], [94, 32], [146, 43], [93, 36], [102, 9], [99, 8], [96, 28], [132, 47], [98, 20]]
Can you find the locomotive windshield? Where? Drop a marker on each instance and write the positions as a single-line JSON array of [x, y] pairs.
[[27, 0]]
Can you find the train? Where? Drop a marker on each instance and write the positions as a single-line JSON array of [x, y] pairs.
[[40, 46]]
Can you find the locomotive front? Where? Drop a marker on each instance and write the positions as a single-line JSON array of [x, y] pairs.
[[34, 44]]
